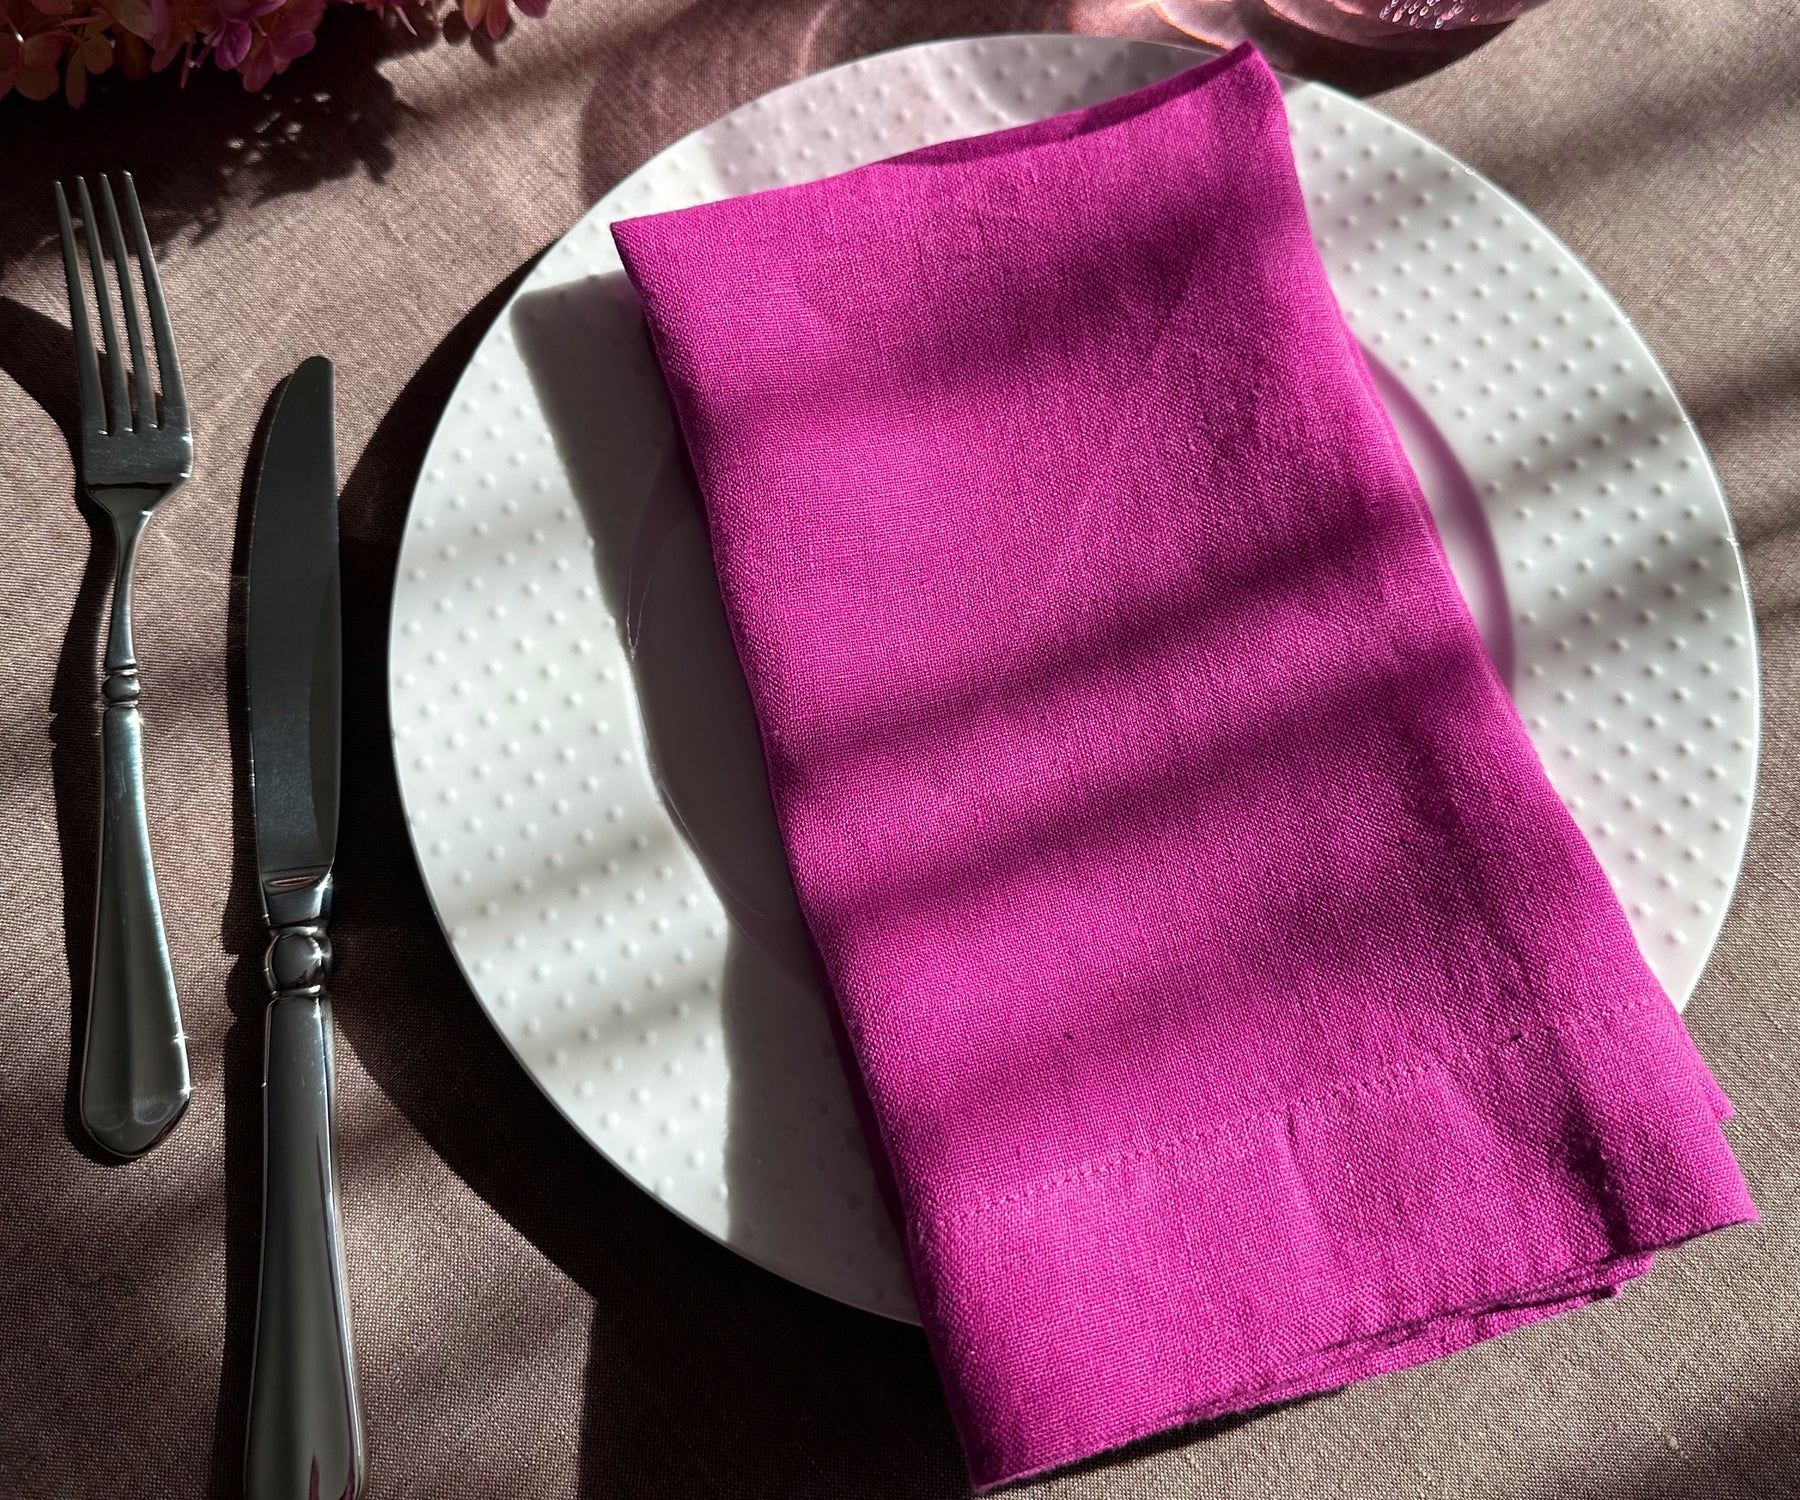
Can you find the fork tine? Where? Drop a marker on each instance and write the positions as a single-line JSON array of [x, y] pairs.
[[142, 385], [87, 373], [168, 367], [120, 418]]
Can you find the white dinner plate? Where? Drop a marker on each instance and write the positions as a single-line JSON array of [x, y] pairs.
[[579, 766]]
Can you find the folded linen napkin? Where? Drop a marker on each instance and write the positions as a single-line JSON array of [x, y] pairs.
[[1238, 1010]]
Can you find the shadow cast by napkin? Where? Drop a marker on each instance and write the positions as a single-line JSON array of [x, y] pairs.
[[584, 347]]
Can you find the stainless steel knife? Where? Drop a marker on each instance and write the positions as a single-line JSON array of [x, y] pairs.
[[305, 1438]]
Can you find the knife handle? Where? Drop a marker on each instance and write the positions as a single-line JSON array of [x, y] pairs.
[[134, 1066], [305, 1436]]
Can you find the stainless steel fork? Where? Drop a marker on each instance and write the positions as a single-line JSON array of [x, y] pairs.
[[134, 1071]]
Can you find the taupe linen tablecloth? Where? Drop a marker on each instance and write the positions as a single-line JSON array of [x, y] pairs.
[[529, 1323]]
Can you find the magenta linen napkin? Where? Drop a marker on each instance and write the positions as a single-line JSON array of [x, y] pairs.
[[1239, 1011]]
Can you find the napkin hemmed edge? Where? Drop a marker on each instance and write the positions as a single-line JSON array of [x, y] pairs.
[[1435, 1339], [1525, 1182]]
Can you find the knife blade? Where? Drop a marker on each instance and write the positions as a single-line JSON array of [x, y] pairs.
[[305, 1437]]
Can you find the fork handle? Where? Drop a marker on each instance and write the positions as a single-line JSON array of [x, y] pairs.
[[134, 1072]]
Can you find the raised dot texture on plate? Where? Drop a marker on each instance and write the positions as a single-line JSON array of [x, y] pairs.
[[1575, 501]]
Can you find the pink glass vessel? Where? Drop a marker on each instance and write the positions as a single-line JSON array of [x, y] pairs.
[[1378, 23]]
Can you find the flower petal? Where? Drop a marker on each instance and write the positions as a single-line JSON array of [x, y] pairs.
[[97, 52], [259, 66], [75, 82], [40, 53], [37, 83], [498, 18], [133, 55], [291, 44], [52, 7], [472, 12], [231, 44], [536, 9], [134, 16]]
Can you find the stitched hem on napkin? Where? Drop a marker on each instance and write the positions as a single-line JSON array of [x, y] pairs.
[[1352, 1234]]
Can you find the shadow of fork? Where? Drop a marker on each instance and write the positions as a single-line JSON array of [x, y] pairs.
[[37, 352]]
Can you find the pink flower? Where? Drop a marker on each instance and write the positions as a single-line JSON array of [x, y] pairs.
[[52, 45], [135, 17], [91, 54], [296, 21], [287, 45], [285, 34], [38, 58], [171, 32], [230, 43], [258, 64], [495, 15]]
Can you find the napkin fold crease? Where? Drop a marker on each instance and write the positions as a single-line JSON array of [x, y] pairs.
[[1237, 1010]]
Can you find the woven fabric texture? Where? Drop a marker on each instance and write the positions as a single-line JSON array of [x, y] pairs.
[[529, 1324]]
